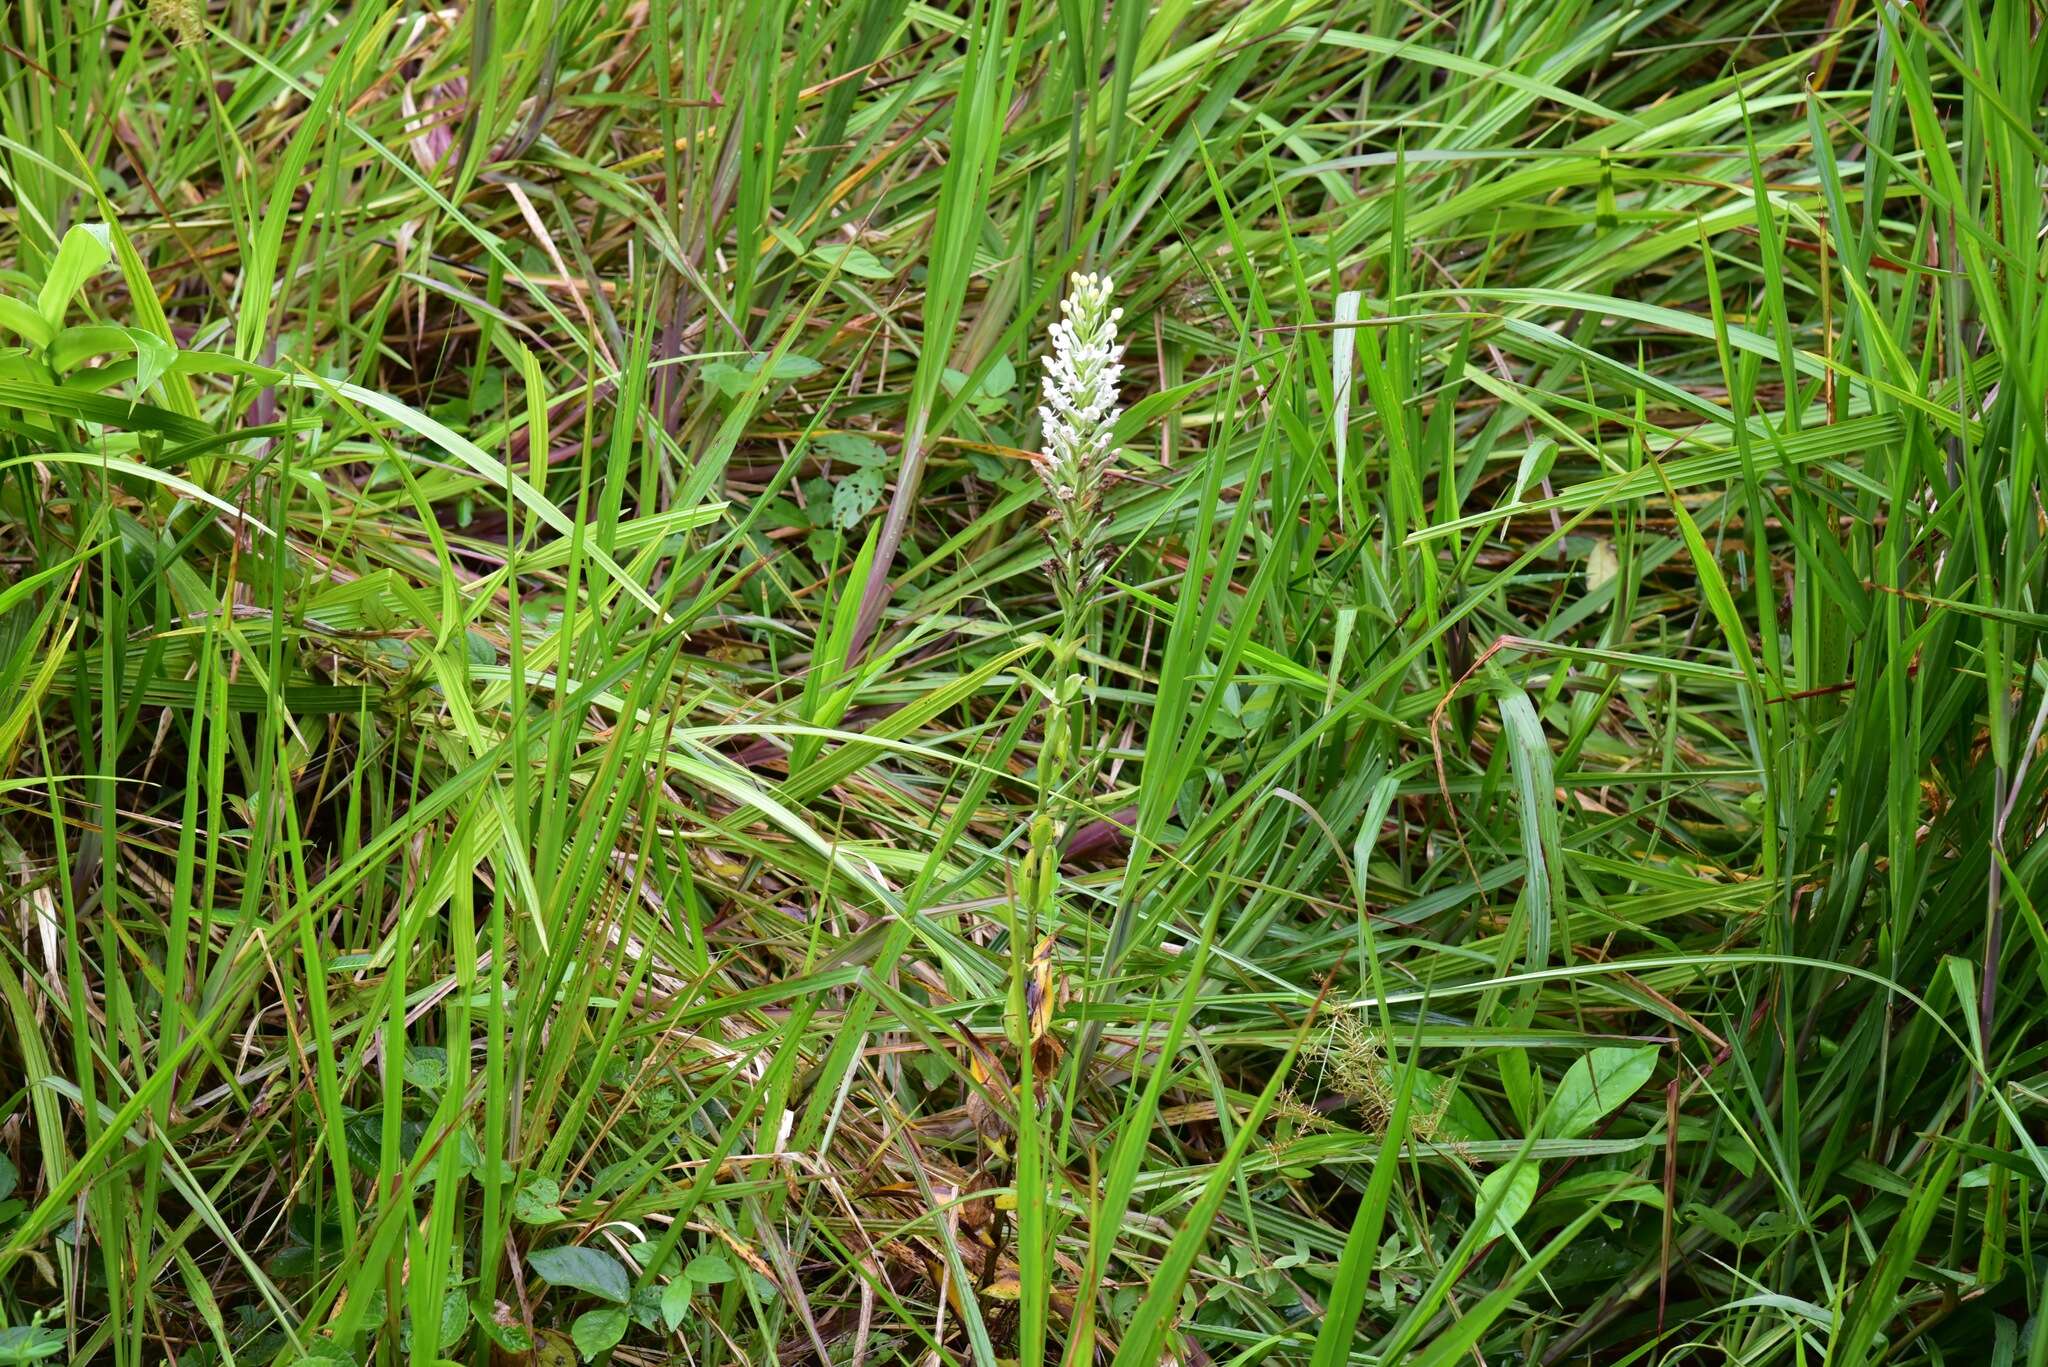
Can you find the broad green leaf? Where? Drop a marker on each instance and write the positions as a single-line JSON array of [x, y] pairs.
[[855, 496], [734, 380], [29, 1343], [598, 1331], [454, 1319], [426, 1067], [675, 1301], [710, 1268], [82, 340], [1595, 1086], [20, 318], [82, 254], [501, 1326], [538, 1202], [1515, 1186], [853, 448], [1613, 1186], [153, 357], [999, 381], [584, 1269], [852, 260]]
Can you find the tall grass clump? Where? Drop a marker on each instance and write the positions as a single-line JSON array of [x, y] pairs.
[[642, 720]]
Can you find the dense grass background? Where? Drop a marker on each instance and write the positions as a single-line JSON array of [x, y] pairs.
[[524, 660]]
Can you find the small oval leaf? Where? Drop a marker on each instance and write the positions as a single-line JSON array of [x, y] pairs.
[[598, 1331]]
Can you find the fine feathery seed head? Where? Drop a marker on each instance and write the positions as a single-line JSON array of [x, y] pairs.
[[183, 20], [1079, 413]]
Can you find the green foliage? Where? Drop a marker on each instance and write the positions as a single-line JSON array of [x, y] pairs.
[[583, 1269], [549, 805]]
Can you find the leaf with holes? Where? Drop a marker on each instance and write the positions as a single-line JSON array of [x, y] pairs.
[[855, 496], [853, 448], [500, 1323], [538, 1202]]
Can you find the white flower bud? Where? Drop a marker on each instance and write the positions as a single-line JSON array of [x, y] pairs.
[[1078, 388]]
